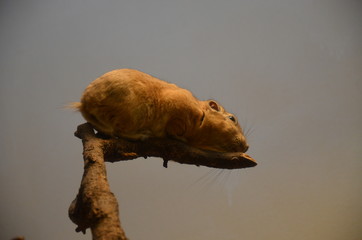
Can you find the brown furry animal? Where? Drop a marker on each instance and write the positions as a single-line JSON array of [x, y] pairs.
[[134, 105]]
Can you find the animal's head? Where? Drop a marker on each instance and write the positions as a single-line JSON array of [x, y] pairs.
[[218, 130]]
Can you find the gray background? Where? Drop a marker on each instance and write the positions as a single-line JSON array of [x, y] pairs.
[[290, 70]]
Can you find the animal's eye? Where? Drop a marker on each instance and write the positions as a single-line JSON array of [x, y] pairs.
[[232, 118]]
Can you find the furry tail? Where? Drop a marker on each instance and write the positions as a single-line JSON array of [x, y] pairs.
[[74, 105]]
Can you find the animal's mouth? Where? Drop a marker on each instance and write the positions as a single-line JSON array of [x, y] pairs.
[[202, 118]]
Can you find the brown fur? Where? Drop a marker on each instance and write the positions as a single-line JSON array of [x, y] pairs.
[[130, 104]]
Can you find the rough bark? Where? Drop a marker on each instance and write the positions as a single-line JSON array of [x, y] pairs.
[[96, 207]]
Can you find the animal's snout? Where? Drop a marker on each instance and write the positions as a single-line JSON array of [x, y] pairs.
[[246, 148]]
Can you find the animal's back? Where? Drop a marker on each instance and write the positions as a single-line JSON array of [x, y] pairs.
[[123, 102]]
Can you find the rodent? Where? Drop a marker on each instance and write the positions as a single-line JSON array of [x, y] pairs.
[[131, 104]]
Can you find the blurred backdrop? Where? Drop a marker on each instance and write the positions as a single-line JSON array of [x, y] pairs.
[[290, 70]]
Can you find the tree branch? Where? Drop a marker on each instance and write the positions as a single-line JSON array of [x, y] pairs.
[[96, 206]]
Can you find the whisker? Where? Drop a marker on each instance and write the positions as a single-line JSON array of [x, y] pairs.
[[217, 176], [203, 178], [248, 129], [220, 177]]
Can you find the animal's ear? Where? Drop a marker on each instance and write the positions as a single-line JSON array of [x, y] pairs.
[[176, 128], [214, 105]]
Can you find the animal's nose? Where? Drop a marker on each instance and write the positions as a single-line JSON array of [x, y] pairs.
[[246, 148]]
